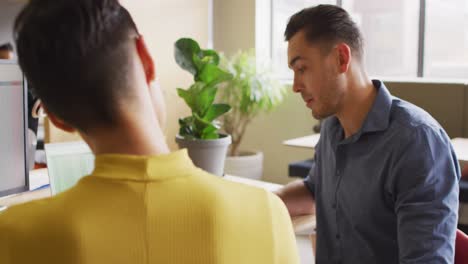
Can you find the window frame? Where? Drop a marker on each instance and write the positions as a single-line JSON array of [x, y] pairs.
[[267, 34]]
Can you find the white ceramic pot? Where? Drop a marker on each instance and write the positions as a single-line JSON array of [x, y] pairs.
[[208, 155], [247, 164]]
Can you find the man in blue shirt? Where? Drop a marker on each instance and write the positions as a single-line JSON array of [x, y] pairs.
[[384, 184]]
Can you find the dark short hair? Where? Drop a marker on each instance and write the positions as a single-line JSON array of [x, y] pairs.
[[326, 24], [6, 47], [76, 54]]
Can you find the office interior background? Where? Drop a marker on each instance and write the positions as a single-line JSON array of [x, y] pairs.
[[419, 48]]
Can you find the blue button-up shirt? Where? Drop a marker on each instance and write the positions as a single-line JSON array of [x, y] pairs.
[[389, 193]]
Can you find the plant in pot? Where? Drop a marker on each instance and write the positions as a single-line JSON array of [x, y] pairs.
[[199, 132], [252, 90]]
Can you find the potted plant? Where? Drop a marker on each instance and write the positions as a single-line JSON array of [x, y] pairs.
[[252, 90], [199, 131]]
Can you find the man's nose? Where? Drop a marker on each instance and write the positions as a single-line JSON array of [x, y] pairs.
[[297, 86]]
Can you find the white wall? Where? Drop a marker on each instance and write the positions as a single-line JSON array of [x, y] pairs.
[[162, 22], [234, 25]]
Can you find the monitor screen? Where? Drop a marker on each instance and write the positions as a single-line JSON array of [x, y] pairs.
[[13, 129]]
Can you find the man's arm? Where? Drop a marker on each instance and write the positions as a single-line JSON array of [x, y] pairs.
[[297, 198], [426, 198]]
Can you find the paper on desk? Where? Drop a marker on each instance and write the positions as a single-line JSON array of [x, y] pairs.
[[67, 164], [38, 178]]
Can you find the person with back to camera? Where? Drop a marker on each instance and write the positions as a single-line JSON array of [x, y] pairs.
[[142, 203]]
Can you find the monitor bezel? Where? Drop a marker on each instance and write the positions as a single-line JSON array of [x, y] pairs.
[[25, 138]]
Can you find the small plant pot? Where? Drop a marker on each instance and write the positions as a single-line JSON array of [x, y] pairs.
[[208, 155], [248, 164]]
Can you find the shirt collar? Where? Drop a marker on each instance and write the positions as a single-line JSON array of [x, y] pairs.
[[378, 117], [143, 168]]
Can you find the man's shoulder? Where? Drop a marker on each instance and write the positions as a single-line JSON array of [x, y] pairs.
[[410, 119]]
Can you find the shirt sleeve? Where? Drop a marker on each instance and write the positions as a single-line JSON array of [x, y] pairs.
[[426, 175], [311, 179]]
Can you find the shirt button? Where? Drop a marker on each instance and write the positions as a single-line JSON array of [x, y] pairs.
[[337, 236], [334, 206], [338, 172]]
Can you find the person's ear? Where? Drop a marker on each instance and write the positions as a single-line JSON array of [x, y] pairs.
[[146, 60], [344, 57], [59, 123]]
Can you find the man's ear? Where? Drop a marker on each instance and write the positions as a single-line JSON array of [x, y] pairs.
[[59, 123], [146, 60], [344, 57]]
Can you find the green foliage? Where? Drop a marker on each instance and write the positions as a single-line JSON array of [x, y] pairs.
[[203, 65], [252, 90]]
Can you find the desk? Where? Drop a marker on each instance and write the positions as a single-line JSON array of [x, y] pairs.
[[37, 178], [460, 145], [303, 226], [303, 142]]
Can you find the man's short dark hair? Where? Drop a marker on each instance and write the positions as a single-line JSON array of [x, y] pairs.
[[6, 47], [76, 54], [326, 24]]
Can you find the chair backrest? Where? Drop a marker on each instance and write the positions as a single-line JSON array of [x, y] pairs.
[[464, 173], [461, 248]]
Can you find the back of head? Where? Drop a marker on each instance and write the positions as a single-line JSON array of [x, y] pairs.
[[326, 25], [77, 56]]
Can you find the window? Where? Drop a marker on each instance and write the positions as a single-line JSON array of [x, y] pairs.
[[446, 43], [403, 38], [282, 11], [390, 30]]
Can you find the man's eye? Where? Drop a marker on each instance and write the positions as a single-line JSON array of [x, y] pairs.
[[301, 70]]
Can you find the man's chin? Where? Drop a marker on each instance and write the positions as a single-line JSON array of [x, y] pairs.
[[318, 115]]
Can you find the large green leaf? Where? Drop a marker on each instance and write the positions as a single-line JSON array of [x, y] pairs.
[[187, 96], [213, 75], [185, 48], [216, 111], [210, 132], [207, 129], [209, 56], [204, 99]]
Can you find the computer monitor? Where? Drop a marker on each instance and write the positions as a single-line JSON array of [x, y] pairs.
[[14, 169]]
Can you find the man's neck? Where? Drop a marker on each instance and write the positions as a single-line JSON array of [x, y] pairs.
[[357, 104]]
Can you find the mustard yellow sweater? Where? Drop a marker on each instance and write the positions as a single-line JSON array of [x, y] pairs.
[[160, 209]]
